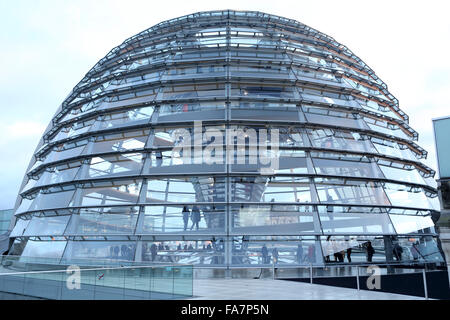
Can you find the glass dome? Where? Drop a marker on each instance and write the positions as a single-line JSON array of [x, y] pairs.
[[113, 177]]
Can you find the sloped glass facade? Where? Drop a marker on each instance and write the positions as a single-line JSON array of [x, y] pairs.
[[108, 181]]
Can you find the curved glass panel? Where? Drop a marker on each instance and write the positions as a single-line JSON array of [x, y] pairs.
[[347, 168], [345, 220], [404, 175], [339, 140], [19, 228], [44, 249], [417, 249], [192, 189], [110, 193], [52, 226], [106, 220], [126, 164], [407, 196], [183, 219], [120, 142], [124, 118], [270, 189], [360, 249], [405, 224], [198, 252], [273, 219], [350, 191], [288, 250], [99, 250]]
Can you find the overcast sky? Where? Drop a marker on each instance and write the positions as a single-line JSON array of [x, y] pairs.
[[46, 47]]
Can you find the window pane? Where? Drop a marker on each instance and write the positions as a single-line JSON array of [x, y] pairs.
[[202, 252], [63, 173], [347, 168], [19, 228], [112, 220], [406, 196], [360, 249], [411, 224], [350, 192], [119, 193], [270, 189], [119, 142], [415, 249], [336, 219], [99, 250], [52, 200], [129, 117], [184, 219], [289, 250], [117, 165], [44, 249], [272, 219], [189, 189], [404, 175], [339, 140], [52, 226]]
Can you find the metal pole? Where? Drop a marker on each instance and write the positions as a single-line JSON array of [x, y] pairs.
[[357, 277], [425, 287], [310, 273], [273, 270]]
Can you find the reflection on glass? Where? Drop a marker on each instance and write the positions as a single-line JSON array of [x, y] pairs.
[[113, 192], [289, 250], [99, 250], [260, 105], [350, 192], [391, 148], [407, 196], [405, 224], [44, 249], [189, 189], [167, 109], [127, 117], [362, 249], [416, 249], [52, 200], [52, 226], [115, 165], [402, 174], [363, 169], [62, 173], [272, 219], [107, 220], [339, 140], [270, 189], [19, 228], [328, 116], [73, 129], [66, 151], [197, 252], [182, 219], [119, 142], [336, 219], [263, 91]]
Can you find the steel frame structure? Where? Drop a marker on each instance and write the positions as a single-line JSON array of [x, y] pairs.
[[103, 181]]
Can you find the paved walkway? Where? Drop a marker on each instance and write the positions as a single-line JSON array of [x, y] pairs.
[[266, 289]]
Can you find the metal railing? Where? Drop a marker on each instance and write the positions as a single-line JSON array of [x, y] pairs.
[[111, 283], [360, 271]]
